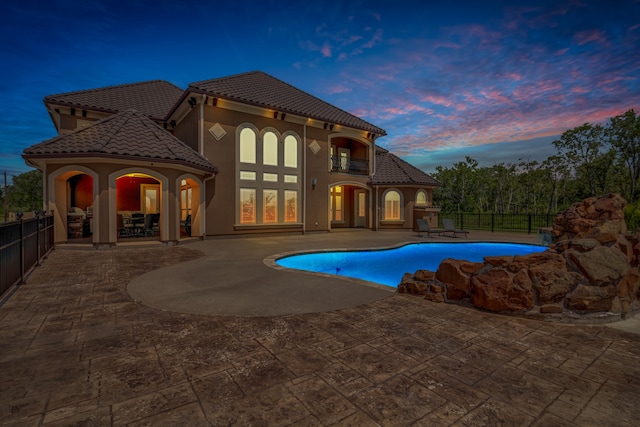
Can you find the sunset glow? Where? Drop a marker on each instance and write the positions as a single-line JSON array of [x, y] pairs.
[[495, 80]]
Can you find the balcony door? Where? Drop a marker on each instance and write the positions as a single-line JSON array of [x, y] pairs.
[[344, 154]]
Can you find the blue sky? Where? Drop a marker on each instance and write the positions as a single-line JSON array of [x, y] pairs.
[[495, 80]]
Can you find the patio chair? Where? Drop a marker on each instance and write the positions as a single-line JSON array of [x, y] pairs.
[[147, 229], [449, 227], [423, 227], [123, 230], [186, 224], [156, 224]]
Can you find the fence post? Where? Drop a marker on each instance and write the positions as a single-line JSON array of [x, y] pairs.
[[37, 215], [19, 215]]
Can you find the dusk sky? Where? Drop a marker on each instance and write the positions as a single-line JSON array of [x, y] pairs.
[[494, 80]]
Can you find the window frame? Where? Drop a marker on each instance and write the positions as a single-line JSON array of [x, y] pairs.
[[400, 218], [426, 197], [284, 187]]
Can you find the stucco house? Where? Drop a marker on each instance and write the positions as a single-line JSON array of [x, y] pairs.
[[241, 154]]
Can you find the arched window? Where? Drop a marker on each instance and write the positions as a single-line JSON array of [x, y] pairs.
[[290, 151], [270, 149], [421, 198], [247, 146], [267, 177], [392, 205]]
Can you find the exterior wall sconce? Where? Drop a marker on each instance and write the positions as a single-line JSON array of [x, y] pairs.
[[172, 123], [325, 125], [282, 116], [192, 102], [331, 127], [314, 182], [275, 114]]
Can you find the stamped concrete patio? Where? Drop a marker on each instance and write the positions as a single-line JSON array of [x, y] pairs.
[[77, 349]]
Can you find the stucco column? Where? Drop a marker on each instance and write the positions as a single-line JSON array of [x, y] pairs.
[[102, 223]]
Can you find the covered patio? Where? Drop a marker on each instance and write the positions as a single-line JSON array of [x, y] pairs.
[[120, 178]]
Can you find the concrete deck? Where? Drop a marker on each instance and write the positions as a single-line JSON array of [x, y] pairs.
[[76, 349]]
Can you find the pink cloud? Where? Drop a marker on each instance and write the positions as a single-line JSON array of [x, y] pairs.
[[375, 39], [587, 36], [437, 100], [326, 50], [338, 89], [579, 89]]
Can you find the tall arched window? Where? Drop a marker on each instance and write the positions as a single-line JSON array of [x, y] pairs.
[[247, 146], [392, 205], [421, 198], [270, 149], [267, 177], [290, 151]]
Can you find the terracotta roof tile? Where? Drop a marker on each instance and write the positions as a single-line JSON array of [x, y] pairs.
[[152, 98], [391, 169], [127, 135], [258, 88]]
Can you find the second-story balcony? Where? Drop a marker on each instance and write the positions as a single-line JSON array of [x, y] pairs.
[[348, 165]]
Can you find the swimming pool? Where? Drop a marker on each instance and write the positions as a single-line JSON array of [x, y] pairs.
[[387, 266]]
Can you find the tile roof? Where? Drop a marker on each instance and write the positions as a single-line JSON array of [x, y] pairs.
[[263, 90], [391, 169], [152, 98], [128, 135]]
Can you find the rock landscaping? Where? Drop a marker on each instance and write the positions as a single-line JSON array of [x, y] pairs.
[[589, 272]]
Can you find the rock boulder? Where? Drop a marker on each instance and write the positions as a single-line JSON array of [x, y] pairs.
[[591, 267]]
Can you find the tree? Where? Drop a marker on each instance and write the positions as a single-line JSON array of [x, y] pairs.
[[558, 171], [582, 148], [504, 180], [25, 194], [624, 136], [458, 184]]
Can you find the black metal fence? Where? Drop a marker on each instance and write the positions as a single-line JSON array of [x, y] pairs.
[[23, 244], [517, 223]]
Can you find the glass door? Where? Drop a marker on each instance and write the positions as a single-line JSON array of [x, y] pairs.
[[361, 208], [150, 198]]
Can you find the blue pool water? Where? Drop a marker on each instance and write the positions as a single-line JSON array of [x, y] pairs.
[[387, 266]]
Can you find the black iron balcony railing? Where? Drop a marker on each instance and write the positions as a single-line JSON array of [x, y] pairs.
[[349, 165]]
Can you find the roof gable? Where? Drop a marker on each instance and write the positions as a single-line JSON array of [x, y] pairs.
[[152, 98], [128, 135], [263, 90], [391, 169]]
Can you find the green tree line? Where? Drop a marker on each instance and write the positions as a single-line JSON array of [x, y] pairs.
[[24, 194], [591, 160]]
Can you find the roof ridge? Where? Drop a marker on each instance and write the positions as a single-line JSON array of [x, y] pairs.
[[195, 85], [104, 88], [246, 73]]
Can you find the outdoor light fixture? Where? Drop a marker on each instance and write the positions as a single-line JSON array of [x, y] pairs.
[[325, 125], [275, 114], [331, 127], [214, 101], [172, 123], [282, 116], [192, 102]]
